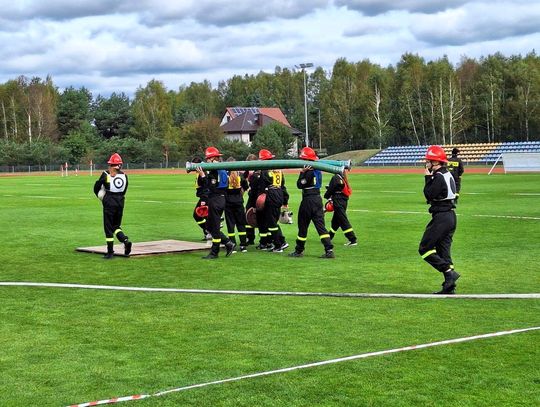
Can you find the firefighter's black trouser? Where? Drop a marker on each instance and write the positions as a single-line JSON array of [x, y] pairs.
[[113, 210], [340, 219], [216, 206], [436, 243], [458, 188], [311, 210], [235, 217], [200, 221], [270, 216], [250, 230]]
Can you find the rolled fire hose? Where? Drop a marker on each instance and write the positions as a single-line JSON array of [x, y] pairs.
[[267, 165], [339, 163]]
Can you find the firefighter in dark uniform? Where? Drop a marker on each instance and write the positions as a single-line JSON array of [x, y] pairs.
[[455, 166], [311, 207], [440, 192], [202, 193], [273, 185], [338, 192], [235, 214], [111, 187], [253, 192], [216, 182]]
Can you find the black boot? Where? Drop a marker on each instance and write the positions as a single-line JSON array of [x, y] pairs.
[[329, 254], [110, 251], [449, 284], [230, 246], [214, 252], [127, 247]]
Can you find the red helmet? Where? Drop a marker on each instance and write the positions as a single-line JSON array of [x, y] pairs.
[[202, 211], [308, 153], [436, 153], [265, 155], [212, 152], [329, 206], [115, 159]]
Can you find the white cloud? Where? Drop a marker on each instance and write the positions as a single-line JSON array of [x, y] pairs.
[[375, 7], [478, 22], [116, 46]]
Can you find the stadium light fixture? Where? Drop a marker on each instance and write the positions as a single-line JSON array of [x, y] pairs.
[[303, 66]]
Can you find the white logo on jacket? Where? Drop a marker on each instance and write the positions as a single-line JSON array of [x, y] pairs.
[[118, 183]]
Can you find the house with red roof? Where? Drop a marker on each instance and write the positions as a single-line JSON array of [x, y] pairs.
[[242, 123]]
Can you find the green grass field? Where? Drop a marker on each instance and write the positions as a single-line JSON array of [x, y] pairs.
[[65, 346]]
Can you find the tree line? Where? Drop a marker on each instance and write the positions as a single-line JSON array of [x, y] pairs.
[[356, 105]]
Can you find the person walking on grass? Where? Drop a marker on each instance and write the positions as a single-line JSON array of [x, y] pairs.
[[455, 166], [311, 207], [436, 243], [337, 193], [273, 186], [111, 188], [200, 207], [235, 214], [253, 179], [216, 182]]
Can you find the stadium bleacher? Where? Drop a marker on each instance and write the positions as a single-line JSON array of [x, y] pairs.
[[479, 153]]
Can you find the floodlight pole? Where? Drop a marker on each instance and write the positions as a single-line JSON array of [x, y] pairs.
[[304, 66], [320, 139]]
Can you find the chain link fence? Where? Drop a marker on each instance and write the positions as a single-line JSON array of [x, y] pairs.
[[51, 168]]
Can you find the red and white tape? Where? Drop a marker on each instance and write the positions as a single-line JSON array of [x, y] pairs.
[[309, 365]]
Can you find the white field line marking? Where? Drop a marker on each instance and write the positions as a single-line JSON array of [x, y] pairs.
[[527, 194], [508, 217], [459, 214], [43, 197], [401, 192], [315, 364], [276, 293]]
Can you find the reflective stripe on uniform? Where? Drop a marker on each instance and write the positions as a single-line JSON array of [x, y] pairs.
[[326, 235], [241, 233], [429, 253], [348, 230], [109, 239], [117, 231], [216, 240], [273, 229], [231, 234], [303, 239], [201, 222]]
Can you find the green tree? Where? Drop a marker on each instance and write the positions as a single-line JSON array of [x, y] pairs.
[[275, 137], [233, 148], [196, 136], [196, 102], [152, 112], [112, 116], [74, 109]]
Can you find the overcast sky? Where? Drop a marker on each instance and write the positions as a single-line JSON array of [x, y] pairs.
[[116, 46]]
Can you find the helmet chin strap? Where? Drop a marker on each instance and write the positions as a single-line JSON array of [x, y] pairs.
[[436, 166]]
